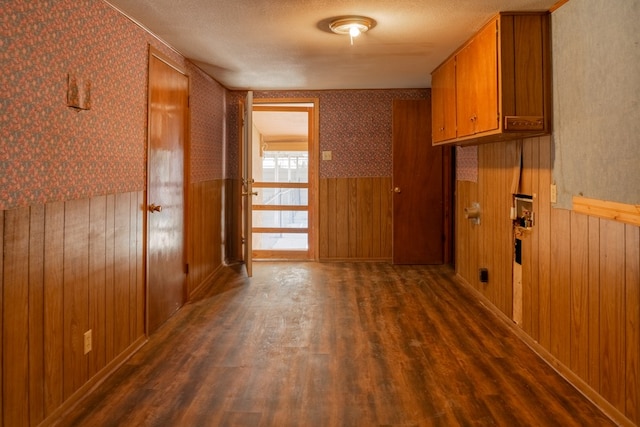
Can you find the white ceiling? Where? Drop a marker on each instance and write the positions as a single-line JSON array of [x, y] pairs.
[[282, 126], [286, 44]]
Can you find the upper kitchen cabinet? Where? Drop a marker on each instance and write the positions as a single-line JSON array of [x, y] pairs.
[[443, 99], [496, 87]]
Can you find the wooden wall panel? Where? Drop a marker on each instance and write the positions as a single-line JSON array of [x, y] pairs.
[[15, 312], [97, 277], [233, 224], [1, 317], [612, 322], [36, 314], [140, 265], [355, 219], [364, 215], [340, 217], [205, 232], [579, 273], [110, 279], [53, 306], [132, 299], [121, 273], [76, 293], [544, 233], [593, 376], [352, 203], [581, 279], [560, 283], [632, 322], [59, 262]]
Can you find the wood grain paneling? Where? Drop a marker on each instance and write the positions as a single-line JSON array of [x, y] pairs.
[[15, 313], [61, 264], [1, 317], [76, 293], [233, 225], [355, 219], [36, 314], [632, 321], [53, 306], [612, 276], [121, 245], [97, 277], [205, 232], [579, 310], [581, 286]]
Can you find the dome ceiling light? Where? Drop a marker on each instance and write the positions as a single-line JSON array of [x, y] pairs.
[[351, 25]]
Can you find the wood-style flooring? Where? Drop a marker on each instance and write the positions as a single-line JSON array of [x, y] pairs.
[[335, 344]]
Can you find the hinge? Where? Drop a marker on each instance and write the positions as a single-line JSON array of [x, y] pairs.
[[189, 101], [186, 268]]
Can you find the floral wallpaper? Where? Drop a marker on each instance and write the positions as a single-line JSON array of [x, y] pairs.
[[467, 163], [355, 125], [207, 126], [49, 151]]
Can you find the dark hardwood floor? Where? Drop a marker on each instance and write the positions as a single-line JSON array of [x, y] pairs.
[[314, 344]]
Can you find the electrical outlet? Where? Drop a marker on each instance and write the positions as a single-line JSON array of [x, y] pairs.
[[327, 155], [87, 341]]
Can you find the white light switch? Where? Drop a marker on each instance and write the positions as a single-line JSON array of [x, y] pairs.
[[326, 155]]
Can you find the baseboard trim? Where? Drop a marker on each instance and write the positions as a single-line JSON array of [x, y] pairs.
[[578, 383], [76, 398]]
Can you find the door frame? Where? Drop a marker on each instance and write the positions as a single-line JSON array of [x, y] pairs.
[[314, 165], [186, 182]]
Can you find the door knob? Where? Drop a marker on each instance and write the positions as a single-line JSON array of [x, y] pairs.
[[155, 208], [397, 190]]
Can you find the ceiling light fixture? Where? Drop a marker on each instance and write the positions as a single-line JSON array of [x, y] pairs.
[[351, 25]]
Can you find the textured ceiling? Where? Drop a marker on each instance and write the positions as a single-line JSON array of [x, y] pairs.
[[286, 44]]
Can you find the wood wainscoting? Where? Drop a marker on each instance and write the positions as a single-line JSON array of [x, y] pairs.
[[205, 226], [355, 219], [580, 275], [69, 267]]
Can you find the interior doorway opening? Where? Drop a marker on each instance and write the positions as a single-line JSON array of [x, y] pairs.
[[284, 172]]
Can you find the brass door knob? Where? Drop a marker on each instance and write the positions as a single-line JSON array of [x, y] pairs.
[[155, 208], [397, 190]]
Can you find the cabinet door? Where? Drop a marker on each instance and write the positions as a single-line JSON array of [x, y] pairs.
[[443, 98], [465, 90], [486, 70], [477, 83]]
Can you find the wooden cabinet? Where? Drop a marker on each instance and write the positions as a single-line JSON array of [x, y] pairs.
[[443, 98], [496, 87]]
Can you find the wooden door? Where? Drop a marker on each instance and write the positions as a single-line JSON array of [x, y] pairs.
[[418, 231], [443, 97], [168, 114], [247, 183], [284, 179]]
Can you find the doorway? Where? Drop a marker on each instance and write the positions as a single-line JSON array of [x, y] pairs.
[[284, 158]]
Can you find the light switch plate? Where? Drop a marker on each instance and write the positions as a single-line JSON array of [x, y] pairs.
[[326, 155]]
